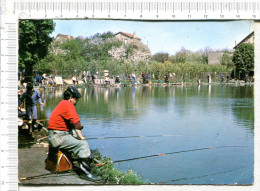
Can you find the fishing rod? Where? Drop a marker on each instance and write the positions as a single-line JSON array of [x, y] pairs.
[[48, 119], [96, 138], [54, 173], [46, 174], [96, 120], [162, 154], [130, 137]]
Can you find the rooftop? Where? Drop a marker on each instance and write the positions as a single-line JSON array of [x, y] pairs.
[[128, 35]]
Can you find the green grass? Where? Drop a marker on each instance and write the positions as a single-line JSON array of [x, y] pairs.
[[111, 175]]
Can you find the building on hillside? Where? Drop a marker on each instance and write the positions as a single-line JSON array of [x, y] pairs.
[[248, 39], [126, 37], [214, 57], [62, 37]]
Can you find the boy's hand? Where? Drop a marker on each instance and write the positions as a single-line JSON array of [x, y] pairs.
[[82, 138]]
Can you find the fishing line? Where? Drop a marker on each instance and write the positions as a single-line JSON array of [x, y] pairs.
[[176, 152], [206, 175], [243, 175]]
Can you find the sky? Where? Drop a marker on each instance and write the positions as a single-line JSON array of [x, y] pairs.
[[167, 37]]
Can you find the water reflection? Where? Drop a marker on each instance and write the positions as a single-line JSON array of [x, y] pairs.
[[201, 116], [123, 101], [209, 90]]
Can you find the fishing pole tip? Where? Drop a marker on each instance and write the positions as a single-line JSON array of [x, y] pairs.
[[25, 178], [160, 154]]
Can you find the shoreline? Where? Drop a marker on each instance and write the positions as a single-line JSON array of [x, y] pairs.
[[81, 83]]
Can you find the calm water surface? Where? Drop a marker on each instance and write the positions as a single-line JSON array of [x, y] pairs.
[[183, 121]]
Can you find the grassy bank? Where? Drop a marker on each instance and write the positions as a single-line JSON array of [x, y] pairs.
[[111, 175]]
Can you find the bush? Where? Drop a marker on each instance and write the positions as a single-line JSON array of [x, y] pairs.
[[243, 57], [111, 175]]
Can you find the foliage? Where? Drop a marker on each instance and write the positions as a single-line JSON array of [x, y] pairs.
[[65, 56], [226, 59], [97, 47], [243, 57], [105, 52], [134, 51], [161, 57], [182, 56], [137, 52], [103, 36], [74, 57], [109, 174], [118, 53], [161, 69], [33, 42], [81, 54]]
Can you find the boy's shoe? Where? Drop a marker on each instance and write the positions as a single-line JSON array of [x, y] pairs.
[[85, 174], [89, 177]]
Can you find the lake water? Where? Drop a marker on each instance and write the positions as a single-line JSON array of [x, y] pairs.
[[206, 132]]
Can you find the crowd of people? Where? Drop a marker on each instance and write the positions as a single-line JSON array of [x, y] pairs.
[[44, 80], [132, 78], [38, 80]]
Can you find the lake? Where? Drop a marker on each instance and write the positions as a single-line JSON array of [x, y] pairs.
[[170, 134]]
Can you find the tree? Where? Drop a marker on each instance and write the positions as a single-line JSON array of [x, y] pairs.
[[97, 46], [131, 56], [64, 57], [34, 40], [161, 57], [226, 59], [243, 57], [133, 52], [182, 56]]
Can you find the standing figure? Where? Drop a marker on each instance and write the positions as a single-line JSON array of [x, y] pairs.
[[88, 75], [107, 81], [93, 79], [38, 80], [222, 77], [227, 78], [198, 81], [133, 78], [32, 97], [146, 78], [84, 76], [74, 79], [246, 78], [63, 121], [117, 81], [166, 79], [209, 78]]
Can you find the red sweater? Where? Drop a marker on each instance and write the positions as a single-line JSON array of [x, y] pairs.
[[63, 116]]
